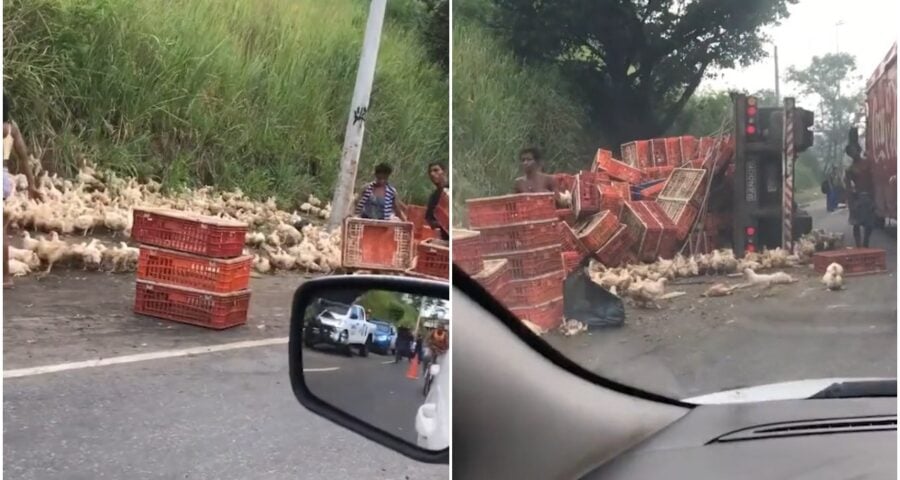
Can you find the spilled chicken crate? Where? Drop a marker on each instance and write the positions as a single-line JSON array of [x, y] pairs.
[[537, 290], [569, 239], [637, 154], [185, 232], [467, 252], [685, 184], [194, 307], [520, 236], [510, 209], [531, 263], [377, 245], [597, 230], [856, 261], [616, 248], [681, 213], [616, 169], [193, 271], [433, 258]]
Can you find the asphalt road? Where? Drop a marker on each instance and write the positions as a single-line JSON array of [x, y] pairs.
[[224, 415], [700, 345]]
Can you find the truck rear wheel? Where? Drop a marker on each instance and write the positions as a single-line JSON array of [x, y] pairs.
[[364, 348]]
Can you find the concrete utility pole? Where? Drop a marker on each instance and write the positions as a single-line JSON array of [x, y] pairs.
[[777, 81], [356, 122]]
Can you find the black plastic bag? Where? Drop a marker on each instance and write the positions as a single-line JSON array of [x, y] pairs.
[[589, 303]]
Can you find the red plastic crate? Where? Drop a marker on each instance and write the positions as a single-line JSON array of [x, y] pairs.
[[596, 164], [673, 151], [433, 259], [415, 214], [377, 245], [597, 230], [195, 307], [571, 259], [614, 251], [658, 152], [611, 198], [856, 261], [651, 192], [531, 263], [495, 278], [585, 200], [565, 215], [637, 154], [644, 228], [704, 149], [569, 240], [467, 252], [442, 211], [192, 271], [198, 234], [656, 173], [688, 149], [668, 241], [510, 209], [521, 236], [547, 316], [534, 291], [685, 184], [681, 213], [617, 170], [565, 181]]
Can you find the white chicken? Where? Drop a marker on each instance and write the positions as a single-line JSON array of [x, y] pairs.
[[834, 277]]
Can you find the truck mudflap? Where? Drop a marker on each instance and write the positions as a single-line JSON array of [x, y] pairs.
[[589, 303]]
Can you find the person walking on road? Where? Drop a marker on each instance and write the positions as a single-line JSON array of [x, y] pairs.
[[861, 203]]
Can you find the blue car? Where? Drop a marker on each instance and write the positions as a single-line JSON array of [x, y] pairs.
[[384, 340]]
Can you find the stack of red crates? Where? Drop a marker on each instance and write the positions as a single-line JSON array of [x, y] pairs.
[[191, 269], [523, 231]]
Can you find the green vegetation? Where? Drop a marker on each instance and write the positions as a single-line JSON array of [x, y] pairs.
[[501, 106], [390, 307], [250, 94]]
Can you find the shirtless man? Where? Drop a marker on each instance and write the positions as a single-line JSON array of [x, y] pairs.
[[861, 202], [534, 180]]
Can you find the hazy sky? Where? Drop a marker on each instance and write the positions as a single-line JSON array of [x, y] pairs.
[[869, 28]]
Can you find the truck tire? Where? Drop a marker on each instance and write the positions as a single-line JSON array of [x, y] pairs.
[[364, 348], [345, 335]]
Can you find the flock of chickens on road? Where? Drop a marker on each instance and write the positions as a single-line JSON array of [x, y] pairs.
[[98, 200]]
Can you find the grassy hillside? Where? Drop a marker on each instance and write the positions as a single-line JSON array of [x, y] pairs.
[[501, 106], [249, 94]]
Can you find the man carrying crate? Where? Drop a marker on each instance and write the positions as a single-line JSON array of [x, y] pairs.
[[379, 199]]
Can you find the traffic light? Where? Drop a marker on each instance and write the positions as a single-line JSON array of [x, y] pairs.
[[751, 119], [803, 135], [750, 240]]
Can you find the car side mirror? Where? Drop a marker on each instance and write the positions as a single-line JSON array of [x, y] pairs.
[[336, 374]]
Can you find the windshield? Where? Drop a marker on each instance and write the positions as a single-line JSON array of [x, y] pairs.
[[640, 219], [382, 328]]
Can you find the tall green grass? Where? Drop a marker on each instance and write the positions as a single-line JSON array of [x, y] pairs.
[[249, 94], [501, 106]]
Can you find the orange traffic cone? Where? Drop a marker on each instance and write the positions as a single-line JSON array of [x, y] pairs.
[[412, 372]]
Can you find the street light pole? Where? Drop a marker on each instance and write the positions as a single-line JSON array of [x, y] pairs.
[[356, 121]]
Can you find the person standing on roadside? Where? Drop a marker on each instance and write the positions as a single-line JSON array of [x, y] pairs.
[[379, 199], [438, 177], [534, 179], [14, 144], [860, 187]]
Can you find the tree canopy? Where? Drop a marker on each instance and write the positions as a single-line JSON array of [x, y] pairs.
[[637, 63], [832, 80]]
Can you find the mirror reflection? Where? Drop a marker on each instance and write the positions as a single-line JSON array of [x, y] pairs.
[[381, 356]]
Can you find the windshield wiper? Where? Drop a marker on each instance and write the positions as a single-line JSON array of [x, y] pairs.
[[857, 389]]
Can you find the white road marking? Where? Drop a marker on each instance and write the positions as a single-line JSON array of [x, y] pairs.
[[387, 362], [323, 369], [143, 357]]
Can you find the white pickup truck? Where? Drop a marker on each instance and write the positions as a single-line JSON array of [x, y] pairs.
[[340, 325]]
